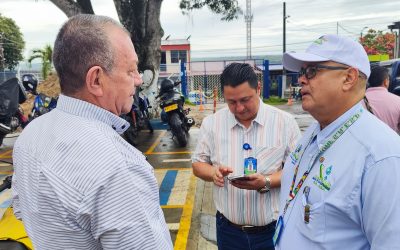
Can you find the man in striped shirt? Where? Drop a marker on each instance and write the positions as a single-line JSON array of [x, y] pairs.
[[246, 210], [77, 184]]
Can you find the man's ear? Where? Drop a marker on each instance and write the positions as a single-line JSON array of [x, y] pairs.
[[351, 79], [386, 83], [259, 89], [94, 80]]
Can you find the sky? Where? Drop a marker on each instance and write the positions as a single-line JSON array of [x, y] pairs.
[[39, 21]]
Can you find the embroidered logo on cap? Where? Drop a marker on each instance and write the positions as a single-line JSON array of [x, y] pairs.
[[321, 40]]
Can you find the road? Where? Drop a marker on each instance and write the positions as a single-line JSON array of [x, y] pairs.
[[186, 201]]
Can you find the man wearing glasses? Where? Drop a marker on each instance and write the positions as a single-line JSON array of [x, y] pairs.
[[340, 187]]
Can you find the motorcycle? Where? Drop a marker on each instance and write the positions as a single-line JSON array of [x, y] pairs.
[[172, 101], [42, 103], [138, 118], [12, 94], [12, 232]]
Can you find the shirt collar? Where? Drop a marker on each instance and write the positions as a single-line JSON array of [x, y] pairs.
[[323, 135], [374, 89], [260, 118], [91, 112]]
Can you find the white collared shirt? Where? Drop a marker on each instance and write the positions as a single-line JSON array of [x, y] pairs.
[[272, 135], [78, 185]]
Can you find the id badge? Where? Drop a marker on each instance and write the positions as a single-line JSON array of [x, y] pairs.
[[250, 165], [278, 230]]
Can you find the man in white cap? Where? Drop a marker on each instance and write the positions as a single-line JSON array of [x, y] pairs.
[[340, 187]]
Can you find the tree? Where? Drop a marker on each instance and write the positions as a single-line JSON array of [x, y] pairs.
[[46, 56], [12, 42], [377, 42], [142, 19]]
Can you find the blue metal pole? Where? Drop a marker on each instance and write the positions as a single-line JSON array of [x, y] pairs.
[[267, 82], [183, 80], [279, 86]]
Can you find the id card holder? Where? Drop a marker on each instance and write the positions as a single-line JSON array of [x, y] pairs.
[[278, 230], [250, 165]]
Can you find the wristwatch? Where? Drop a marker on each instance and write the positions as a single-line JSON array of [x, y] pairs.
[[267, 186]]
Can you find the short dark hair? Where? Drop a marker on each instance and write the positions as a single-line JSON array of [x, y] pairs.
[[81, 44], [237, 73], [378, 76]]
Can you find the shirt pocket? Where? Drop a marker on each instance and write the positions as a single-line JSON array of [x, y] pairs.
[[269, 159], [315, 228]]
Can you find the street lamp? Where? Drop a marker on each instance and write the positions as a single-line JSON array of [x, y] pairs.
[[361, 32]]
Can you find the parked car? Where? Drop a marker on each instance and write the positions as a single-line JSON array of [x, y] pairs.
[[394, 71]]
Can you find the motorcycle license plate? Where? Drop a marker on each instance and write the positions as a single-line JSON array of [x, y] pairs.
[[171, 107]]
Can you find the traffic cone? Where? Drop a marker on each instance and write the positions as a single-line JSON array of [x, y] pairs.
[[201, 106]]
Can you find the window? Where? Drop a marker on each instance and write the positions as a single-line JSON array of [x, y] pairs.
[[177, 55]]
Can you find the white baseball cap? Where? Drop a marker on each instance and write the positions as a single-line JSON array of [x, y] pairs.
[[330, 48]]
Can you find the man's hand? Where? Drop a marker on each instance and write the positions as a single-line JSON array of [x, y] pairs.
[[219, 174], [253, 182]]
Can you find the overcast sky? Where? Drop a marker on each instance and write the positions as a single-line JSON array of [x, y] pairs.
[[40, 20]]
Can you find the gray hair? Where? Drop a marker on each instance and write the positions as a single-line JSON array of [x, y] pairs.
[[82, 43]]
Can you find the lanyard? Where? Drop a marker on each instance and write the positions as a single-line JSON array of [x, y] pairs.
[[327, 145]]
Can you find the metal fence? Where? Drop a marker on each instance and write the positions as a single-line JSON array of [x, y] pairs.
[[203, 77]]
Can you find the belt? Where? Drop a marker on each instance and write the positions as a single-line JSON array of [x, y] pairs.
[[249, 228]]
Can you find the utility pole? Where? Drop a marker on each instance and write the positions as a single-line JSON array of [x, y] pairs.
[[248, 18], [396, 26], [337, 28], [284, 50]]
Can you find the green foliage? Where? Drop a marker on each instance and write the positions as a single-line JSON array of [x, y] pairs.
[[229, 9], [187, 102], [46, 56], [12, 41], [275, 100], [377, 42]]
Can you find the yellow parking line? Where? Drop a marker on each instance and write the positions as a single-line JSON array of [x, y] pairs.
[[6, 154], [168, 153], [186, 219], [157, 141], [6, 173], [172, 206], [166, 169]]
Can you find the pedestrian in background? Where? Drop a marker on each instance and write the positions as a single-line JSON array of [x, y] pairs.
[[340, 186], [385, 105], [77, 184], [246, 137]]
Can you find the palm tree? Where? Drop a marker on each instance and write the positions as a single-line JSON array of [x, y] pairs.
[[45, 55]]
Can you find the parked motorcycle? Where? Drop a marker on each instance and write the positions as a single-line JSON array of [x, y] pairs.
[[12, 94], [172, 101], [42, 103], [138, 118], [12, 232]]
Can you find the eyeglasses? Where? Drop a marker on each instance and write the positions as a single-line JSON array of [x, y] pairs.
[[310, 71]]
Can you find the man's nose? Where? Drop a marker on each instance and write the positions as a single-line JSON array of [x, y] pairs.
[[303, 80], [239, 107]]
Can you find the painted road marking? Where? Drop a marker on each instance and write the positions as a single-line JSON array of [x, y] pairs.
[[186, 218], [173, 226], [168, 153], [166, 186], [180, 189], [156, 142], [6, 155], [177, 160]]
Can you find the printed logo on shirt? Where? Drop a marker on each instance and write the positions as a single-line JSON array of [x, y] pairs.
[[321, 179], [294, 156]]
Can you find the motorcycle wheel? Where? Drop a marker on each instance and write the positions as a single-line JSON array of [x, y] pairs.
[[177, 130], [1, 138], [149, 126]]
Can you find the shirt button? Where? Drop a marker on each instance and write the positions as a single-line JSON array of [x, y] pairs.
[[123, 127], [113, 127]]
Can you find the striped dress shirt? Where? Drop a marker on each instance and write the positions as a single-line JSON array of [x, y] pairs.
[[272, 135], [78, 185]]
